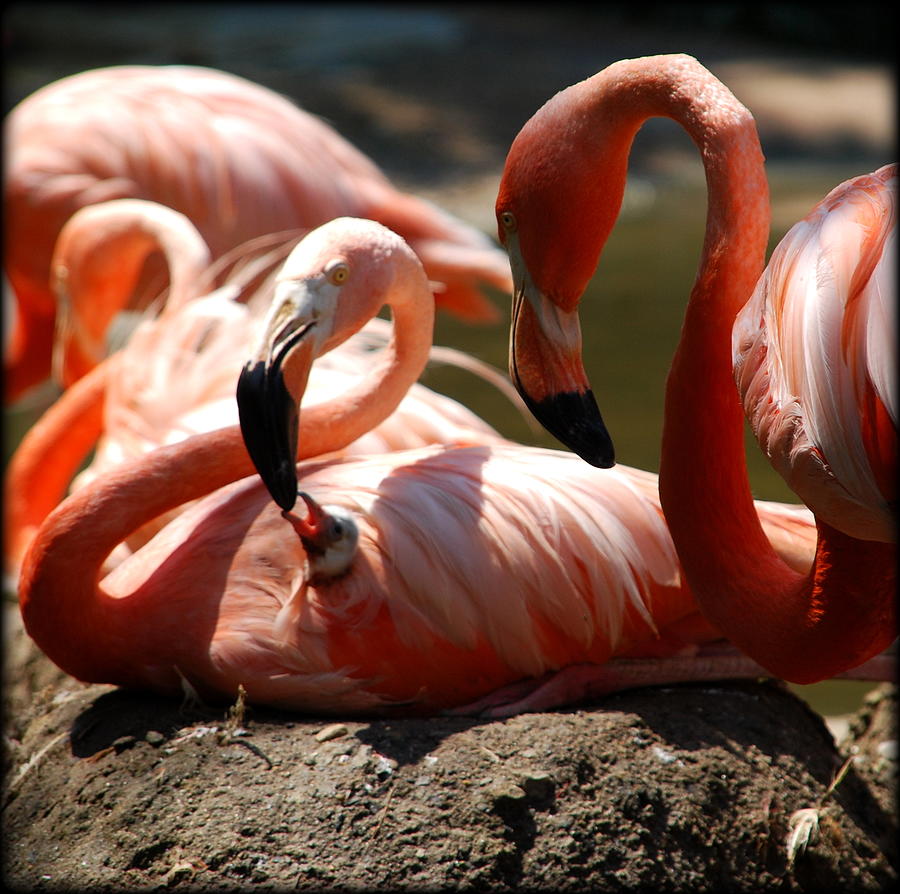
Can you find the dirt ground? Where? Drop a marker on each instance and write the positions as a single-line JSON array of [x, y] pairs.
[[721, 787], [724, 787]]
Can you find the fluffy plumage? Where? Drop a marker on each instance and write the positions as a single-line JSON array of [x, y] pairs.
[[815, 352]]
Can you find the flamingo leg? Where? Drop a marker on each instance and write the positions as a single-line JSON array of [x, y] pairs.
[[583, 682]]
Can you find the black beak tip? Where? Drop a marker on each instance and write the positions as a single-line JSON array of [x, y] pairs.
[[574, 418], [282, 486], [602, 458], [268, 418]]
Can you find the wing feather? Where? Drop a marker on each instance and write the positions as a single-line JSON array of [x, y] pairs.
[[815, 356], [501, 543]]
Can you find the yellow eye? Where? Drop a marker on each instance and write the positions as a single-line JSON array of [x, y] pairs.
[[508, 221], [338, 273]]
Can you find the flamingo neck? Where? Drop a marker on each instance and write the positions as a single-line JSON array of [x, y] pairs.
[[84, 630], [26, 362], [334, 424], [188, 259], [98, 264], [49, 456], [800, 627]]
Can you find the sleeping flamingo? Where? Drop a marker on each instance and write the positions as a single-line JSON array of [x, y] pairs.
[[431, 577], [236, 158], [814, 353], [175, 375]]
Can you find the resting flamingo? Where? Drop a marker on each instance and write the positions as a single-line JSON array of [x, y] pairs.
[[175, 375], [430, 578], [238, 159], [814, 354]]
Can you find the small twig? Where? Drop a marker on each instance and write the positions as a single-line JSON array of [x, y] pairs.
[[251, 747], [235, 720], [92, 759], [31, 763], [384, 810], [234, 727], [838, 779]]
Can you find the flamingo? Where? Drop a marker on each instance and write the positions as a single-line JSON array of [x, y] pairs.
[[430, 578], [173, 378], [814, 354], [236, 158]]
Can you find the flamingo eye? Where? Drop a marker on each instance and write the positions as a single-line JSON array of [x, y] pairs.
[[338, 273], [508, 220]]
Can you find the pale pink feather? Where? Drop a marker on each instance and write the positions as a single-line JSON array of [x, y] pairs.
[[177, 371], [177, 378], [817, 337]]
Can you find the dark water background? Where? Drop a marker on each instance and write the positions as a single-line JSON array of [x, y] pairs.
[[435, 94]]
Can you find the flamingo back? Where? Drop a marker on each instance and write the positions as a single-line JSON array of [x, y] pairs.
[[238, 159]]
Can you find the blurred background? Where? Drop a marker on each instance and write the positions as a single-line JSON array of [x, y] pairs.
[[435, 94]]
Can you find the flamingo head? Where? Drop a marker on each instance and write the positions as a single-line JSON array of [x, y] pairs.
[[555, 208], [329, 287]]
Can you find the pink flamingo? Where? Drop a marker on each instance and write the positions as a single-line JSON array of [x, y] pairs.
[[814, 354], [175, 375], [236, 158], [434, 576]]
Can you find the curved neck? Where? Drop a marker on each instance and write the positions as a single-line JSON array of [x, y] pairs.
[[800, 627], [48, 457], [65, 610], [96, 267], [334, 424]]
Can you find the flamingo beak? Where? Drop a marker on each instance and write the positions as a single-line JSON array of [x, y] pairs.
[[269, 391], [313, 529], [75, 350], [545, 366]]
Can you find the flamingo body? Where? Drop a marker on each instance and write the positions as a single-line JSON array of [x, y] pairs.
[[236, 158], [468, 577]]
